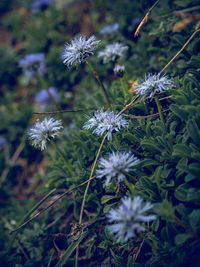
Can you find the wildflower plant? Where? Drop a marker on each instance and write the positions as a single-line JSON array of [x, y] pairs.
[[43, 99], [152, 85], [112, 52], [79, 50], [117, 165], [129, 218], [44, 131], [106, 122]]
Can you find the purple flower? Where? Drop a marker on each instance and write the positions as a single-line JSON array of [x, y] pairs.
[[3, 142], [112, 52], [31, 63]]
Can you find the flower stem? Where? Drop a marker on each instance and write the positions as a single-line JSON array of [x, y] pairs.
[[101, 83], [85, 193], [44, 85], [62, 156], [159, 108], [124, 87]]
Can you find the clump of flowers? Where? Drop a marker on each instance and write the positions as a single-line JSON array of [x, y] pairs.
[[110, 31], [106, 122], [32, 63], [116, 166], [38, 5], [79, 50], [112, 52], [43, 131], [119, 70], [43, 99], [152, 85], [129, 218]]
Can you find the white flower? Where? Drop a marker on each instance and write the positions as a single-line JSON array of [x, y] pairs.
[[105, 122], [153, 84], [43, 131], [112, 52], [79, 50], [110, 31], [129, 218], [116, 166]]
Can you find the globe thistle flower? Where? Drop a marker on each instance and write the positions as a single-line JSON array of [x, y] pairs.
[[116, 166], [43, 131], [31, 63], [112, 52], [42, 98], [39, 5], [129, 218], [152, 85], [119, 70], [106, 122], [79, 50], [110, 31]]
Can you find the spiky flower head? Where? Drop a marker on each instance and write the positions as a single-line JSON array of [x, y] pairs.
[[106, 122], [116, 166], [32, 63], [39, 5], [112, 52], [129, 218], [119, 70], [110, 31], [152, 85], [79, 50], [42, 98], [43, 131]]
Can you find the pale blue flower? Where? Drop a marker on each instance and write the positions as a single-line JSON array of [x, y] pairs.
[[43, 99], [112, 52], [129, 218], [43, 131], [39, 5], [110, 31], [106, 122], [32, 63], [152, 85], [79, 50], [119, 70], [3, 142], [116, 166]]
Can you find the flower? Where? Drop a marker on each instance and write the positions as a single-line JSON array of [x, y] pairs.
[[3, 142], [31, 63], [106, 122], [129, 217], [116, 166], [38, 5], [153, 84], [119, 70], [79, 50], [112, 52], [43, 131], [43, 99], [110, 31]]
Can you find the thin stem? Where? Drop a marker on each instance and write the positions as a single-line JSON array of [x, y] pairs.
[[62, 156], [124, 87], [101, 83], [159, 109], [177, 54], [85, 193]]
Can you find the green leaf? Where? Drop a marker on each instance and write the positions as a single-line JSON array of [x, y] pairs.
[[181, 238], [181, 150], [118, 260], [69, 251], [179, 112], [107, 198], [193, 131]]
